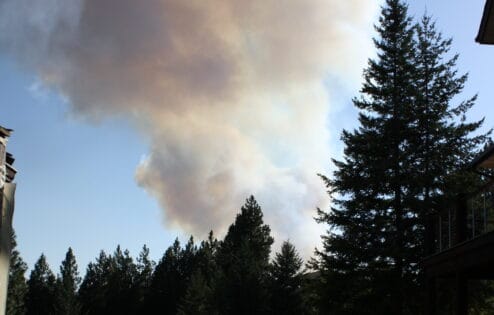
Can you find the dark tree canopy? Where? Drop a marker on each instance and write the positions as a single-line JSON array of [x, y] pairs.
[[187, 280], [17, 287], [109, 285], [94, 288], [66, 301], [197, 297], [244, 259], [40, 298], [405, 155], [171, 277], [145, 267], [286, 282]]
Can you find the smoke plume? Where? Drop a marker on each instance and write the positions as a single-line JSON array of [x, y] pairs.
[[230, 92]]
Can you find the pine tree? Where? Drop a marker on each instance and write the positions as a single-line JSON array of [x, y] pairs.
[[441, 133], [171, 278], [40, 298], [437, 85], [109, 285], [286, 282], [363, 248], [145, 267], [403, 155], [17, 287], [67, 285], [206, 259], [165, 282], [94, 288], [197, 298], [121, 283], [188, 260], [244, 259]]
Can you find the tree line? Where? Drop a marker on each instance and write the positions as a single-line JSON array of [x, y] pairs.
[[231, 276], [407, 155]]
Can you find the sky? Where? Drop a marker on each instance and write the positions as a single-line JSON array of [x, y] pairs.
[[140, 121]]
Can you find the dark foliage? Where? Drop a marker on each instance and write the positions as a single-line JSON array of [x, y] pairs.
[[66, 301], [286, 282], [243, 258], [17, 287], [171, 278], [94, 287], [140, 292], [109, 285], [40, 299], [232, 276], [401, 161]]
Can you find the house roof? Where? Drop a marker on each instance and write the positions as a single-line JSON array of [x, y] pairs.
[[5, 132], [485, 159], [9, 158], [486, 30]]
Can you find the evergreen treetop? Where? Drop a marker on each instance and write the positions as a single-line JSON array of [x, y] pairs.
[[17, 287], [41, 289], [243, 257], [66, 301], [286, 282]]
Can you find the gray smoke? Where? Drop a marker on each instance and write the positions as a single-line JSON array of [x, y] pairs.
[[230, 93]]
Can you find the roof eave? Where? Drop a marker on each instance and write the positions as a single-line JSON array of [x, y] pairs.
[[477, 162], [483, 29]]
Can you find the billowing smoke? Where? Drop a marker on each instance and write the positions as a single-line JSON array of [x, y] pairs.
[[230, 92]]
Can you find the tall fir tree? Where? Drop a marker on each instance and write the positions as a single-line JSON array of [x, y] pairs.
[[406, 150], [145, 268], [94, 288], [243, 257], [199, 297], [206, 259], [17, 287], [438, 83], [66, 300], [286, 282], [441, 131], [121, 282], [109, 283], [40, 298], [171, 278]]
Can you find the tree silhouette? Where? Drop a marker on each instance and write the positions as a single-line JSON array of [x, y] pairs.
[[41, 289], [66, 301], [17, 287], [243, 257], [397, 163], [286, 282]]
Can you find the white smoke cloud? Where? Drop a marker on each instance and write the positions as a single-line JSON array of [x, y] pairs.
[[230, 93]]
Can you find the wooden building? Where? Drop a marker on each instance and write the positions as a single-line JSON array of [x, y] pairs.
[[7, 192], [460, 239], [460, 234]]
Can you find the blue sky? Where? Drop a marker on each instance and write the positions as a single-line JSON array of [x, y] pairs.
[[76, 180]]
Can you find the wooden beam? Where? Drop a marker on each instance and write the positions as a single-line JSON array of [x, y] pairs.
[[461, 294], [461, 219], [431, 296]]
